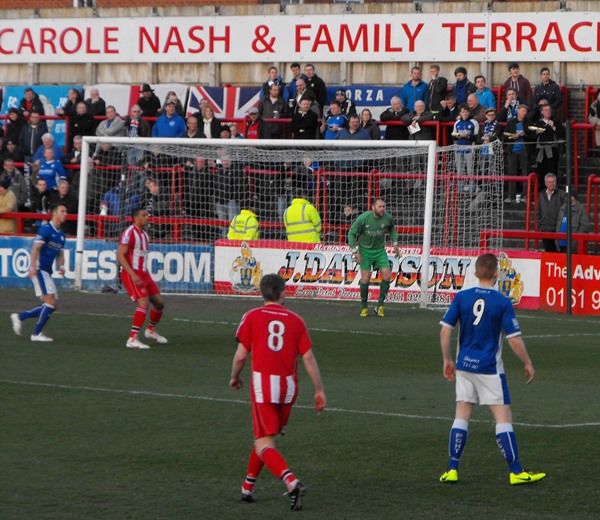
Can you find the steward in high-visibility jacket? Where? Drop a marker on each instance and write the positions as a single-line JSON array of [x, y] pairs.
[[302, 222], [244, 226]]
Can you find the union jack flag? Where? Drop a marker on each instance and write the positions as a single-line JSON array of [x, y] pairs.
[[227, 102]]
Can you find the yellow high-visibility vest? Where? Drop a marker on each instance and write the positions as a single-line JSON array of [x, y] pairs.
[[302, 222], [244, 226]]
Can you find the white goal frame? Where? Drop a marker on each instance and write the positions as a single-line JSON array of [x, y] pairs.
[[427, 218]]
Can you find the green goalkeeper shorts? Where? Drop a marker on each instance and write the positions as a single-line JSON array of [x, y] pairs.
[[371, 260]]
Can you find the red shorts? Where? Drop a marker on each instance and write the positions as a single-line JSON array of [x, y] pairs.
[[149, 287], [269, 418]]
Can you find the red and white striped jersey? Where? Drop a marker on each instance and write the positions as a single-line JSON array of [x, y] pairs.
[[138, 245], [275, 336]]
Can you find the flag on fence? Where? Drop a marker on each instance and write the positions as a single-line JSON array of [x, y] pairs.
[[227, 102]]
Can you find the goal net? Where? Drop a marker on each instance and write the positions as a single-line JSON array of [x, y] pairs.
[[192, 188]]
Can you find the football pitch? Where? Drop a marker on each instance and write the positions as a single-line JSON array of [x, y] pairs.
[[92, 430]]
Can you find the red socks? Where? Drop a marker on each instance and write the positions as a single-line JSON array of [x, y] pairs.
[[255, 465], [278, 466], [138, 321]]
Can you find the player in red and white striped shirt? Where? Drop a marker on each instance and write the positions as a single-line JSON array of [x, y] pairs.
[[276, 337], [132, 255]]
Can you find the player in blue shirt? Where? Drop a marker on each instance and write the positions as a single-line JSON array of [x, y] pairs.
[[47, 246], [483, 313]]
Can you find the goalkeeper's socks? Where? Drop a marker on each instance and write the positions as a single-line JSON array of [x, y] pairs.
[[31, 313], [255, 465], [507, 443], [45, 313], [139, 317], [383, 290], [154, 318], [364, 294], [457, 442], [278, 466]]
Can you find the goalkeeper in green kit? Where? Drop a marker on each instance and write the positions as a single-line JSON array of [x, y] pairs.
[[367, 238]]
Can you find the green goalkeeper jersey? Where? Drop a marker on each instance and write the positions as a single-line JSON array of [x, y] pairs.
[[369, 232]]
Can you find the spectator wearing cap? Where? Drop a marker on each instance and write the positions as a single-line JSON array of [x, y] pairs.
[[148, 101], [520, 83], [13, 152], [414, 90], [31, 103], [346, 105], [254, 124], [14, 125], [172, 96], [170, 124], [549, 90], [462, 86], [8, 204]]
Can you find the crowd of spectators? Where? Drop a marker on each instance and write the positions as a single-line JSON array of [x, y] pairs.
[[527, 123]]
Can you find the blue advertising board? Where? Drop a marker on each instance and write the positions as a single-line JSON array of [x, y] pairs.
[[176, 268]]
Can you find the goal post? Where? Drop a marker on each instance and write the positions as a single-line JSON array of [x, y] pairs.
[[193, 188]]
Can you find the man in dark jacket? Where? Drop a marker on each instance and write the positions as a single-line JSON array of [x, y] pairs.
[[395, 113], [316, 84], [305, 123], [30, 103], [548, 89], [272, 106], [549, 203], [148, 102], [31, 135]]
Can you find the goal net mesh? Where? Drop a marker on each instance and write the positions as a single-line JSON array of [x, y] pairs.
[[192, 189]]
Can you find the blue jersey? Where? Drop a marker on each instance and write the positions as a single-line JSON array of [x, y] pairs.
[[483, 313], [53, 240]]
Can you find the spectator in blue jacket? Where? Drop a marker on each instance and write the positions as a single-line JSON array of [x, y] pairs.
[[334, 121], [465, 133], [414, 90], [485, 95], [51, 170], [169, 124]]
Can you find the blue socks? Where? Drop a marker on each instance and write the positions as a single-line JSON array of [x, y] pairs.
[[32, 313], [46, 311], [457, 442], [507, 444]]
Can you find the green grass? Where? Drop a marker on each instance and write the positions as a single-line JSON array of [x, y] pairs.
[[92, 430]]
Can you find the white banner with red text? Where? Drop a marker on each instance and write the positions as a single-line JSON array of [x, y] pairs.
[[464, 37], [328, 272]]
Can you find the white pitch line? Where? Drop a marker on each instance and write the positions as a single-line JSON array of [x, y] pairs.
[[305, 407], [335, 331], [574, 335]]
